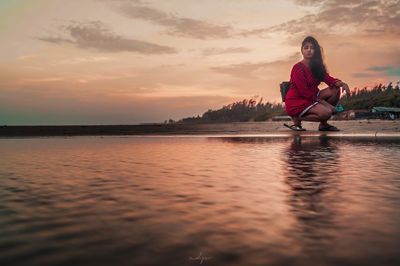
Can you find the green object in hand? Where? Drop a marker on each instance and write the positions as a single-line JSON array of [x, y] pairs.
[[339, 108]]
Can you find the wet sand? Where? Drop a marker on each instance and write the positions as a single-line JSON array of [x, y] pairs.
[[348, 128]]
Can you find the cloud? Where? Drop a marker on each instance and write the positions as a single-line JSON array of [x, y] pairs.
[[309, 2], [94, 35], [253, 32], [27, 57], [387, 70], [41, 80], [82, 60], [378, 71], [231, 50], [341, 17], [367, 16], [176, 25], [242, 70], [248, 70], [364, 75]]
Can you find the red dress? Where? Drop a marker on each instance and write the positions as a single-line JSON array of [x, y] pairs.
[[303, 91]]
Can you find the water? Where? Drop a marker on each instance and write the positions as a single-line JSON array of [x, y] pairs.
[[199, 200]]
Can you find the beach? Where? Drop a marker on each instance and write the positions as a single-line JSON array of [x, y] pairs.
[[269, 128]]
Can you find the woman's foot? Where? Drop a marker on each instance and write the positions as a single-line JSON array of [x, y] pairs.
[[295, 127], [327, 127], [296, 121]]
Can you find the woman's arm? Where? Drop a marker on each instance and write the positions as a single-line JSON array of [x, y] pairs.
[[330, 81]]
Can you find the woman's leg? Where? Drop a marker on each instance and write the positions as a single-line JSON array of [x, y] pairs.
[[317, 113], [331, 95], [296, 121]]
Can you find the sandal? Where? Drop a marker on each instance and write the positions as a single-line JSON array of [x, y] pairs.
[[328, 128], [295, 127]]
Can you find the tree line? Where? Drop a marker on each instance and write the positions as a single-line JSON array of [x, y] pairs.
[[254, 109], [379, 95]]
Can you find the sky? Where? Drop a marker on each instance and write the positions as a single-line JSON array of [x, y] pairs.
[[99, 62]]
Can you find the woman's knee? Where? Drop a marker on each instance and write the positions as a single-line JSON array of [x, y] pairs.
[[329, 92], [323, 112], [325, 115]]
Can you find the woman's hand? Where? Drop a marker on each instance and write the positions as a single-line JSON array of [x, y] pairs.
[[345, 88], [333, 109]]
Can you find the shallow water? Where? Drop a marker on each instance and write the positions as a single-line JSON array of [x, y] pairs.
[[199, 200]]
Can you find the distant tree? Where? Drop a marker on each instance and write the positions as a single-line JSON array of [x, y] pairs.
[[379, 95], [254, 109]]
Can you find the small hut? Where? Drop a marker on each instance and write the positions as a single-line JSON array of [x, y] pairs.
[[390, 113]]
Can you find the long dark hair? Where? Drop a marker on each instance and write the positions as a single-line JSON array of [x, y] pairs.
[[317, 66]]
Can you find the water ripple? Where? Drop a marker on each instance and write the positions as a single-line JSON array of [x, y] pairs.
[[175, 201]]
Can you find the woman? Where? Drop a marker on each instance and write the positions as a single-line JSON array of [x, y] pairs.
[[304, 101]]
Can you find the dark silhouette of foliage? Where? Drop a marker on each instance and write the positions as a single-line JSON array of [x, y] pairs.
[[255, 110], [379, 95], [240, 111]]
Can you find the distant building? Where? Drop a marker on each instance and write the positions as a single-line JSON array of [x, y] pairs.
[[390, 113]]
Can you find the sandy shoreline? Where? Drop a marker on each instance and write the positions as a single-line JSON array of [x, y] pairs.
[[353, 127]]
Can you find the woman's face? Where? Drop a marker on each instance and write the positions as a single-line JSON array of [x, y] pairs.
[[307, 50]]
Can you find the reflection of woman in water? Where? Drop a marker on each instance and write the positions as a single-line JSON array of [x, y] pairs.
[[304, 101], [312, 167]]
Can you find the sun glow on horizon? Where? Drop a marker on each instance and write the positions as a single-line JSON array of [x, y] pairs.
[[136, 62]]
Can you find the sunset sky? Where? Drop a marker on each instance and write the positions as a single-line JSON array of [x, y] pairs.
[[143, 61]]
